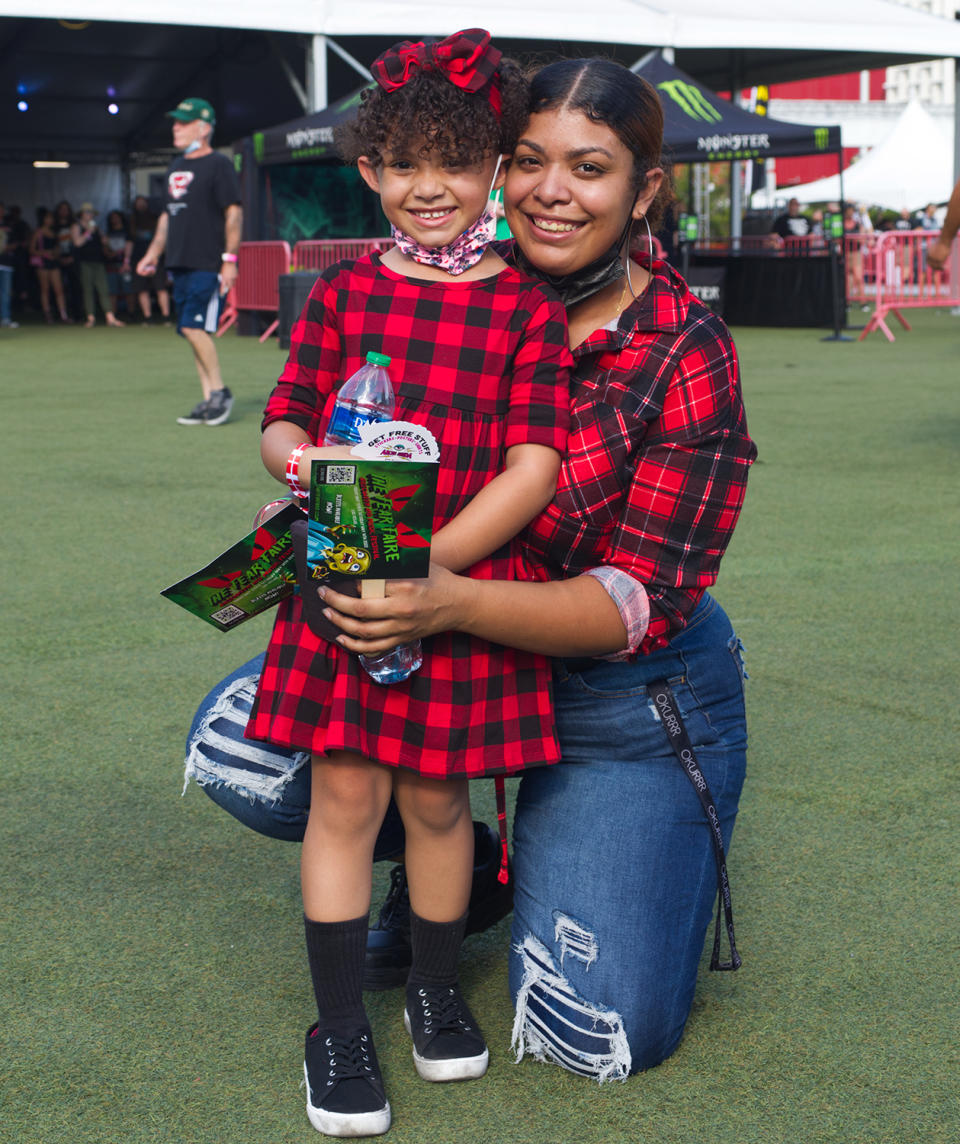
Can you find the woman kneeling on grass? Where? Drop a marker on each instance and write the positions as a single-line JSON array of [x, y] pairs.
[[615, 861]]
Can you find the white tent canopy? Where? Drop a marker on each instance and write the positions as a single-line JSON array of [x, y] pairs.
[[820, 25], [910, 168]]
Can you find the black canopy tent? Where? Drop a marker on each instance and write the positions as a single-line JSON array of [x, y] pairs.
[[760, 287], [288, 197], [702, 127]]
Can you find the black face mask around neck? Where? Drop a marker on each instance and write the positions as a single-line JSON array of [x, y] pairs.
[[573, 288], [586, 281]]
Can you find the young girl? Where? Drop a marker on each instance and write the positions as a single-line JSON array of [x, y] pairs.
[[45, 255], [478, 355]]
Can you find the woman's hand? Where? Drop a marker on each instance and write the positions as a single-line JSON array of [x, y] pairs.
[[411, 610]]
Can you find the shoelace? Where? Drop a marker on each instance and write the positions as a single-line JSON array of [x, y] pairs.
[[347, 1056], [443, 1011]]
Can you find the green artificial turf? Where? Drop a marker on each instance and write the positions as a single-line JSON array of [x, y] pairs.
[[152, 979]]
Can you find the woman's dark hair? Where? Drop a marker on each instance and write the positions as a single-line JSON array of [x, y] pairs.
[[116, 214], [461, 127], [59, 209], [609, 93]]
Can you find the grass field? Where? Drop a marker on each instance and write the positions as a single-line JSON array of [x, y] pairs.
[[153, 981]]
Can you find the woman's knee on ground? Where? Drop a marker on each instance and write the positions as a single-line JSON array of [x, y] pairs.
[[598, 1021]]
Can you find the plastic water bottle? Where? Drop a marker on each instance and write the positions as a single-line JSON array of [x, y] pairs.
[[365, 397]]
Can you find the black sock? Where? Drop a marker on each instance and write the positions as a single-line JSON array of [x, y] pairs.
[[436, 948], [335, 952]]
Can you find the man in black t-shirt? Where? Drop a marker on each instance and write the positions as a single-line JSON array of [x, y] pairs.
[[200, 231], [792, 224]]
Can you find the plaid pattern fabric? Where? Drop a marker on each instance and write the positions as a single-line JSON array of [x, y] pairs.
[[467, 59], [658, 454], [484, 365]]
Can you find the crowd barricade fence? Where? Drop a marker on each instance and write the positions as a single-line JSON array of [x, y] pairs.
[[901, 280], [259, 266], [319, 253]]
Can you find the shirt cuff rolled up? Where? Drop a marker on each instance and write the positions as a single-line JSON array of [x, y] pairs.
[[632, 603]]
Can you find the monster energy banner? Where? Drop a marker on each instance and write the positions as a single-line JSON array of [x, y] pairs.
[[304, 140], [700, 127]]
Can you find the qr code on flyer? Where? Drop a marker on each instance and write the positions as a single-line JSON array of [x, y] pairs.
[[228, 615], [341, 475]]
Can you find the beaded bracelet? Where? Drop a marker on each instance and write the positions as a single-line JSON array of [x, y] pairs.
[[292, 471]]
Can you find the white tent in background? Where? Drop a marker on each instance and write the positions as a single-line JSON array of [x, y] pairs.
[[910, 168]]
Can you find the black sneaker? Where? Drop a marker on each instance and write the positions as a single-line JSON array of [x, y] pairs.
[[345, 1095], [196, 416], [447, 1044], [388, 957], [219, 404]]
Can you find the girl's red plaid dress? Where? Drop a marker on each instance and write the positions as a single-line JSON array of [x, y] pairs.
[[484, 365]]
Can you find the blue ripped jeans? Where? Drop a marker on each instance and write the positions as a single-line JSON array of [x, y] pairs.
[[615, 881], [615, 874]]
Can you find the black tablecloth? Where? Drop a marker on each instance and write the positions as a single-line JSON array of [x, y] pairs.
[[774, 290]]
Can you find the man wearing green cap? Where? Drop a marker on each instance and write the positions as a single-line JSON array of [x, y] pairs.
[[200, 231]]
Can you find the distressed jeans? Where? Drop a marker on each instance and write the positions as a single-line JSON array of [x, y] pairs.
[[615, 873], [615, 879], [266, 788]]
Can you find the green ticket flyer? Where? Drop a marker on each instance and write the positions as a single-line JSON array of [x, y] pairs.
[[251, 576], [372, 519]]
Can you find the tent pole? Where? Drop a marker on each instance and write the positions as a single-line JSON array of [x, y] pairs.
[[641, 63], [317, 72], [347, 58], [956, 121], [736, 168]]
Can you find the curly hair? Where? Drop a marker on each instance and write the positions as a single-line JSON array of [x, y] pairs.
[[430, 111]]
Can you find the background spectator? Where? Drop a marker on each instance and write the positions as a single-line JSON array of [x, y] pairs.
[[45, 258], [64, 219], [6, 274], [143, 223], [119, 279], [90, 253]]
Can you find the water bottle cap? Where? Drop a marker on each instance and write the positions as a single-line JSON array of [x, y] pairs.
[[377, 359]]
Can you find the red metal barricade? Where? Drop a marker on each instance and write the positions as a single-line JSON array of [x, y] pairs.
[[319, 253], [259, 266], [904, 281], [860, 260]]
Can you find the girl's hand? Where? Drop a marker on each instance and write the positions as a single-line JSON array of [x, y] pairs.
[[411, 609], [321, 453]]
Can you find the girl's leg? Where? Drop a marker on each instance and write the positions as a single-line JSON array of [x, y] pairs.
[[163, 301], [615, 876], [56, 280], [86, 286], [439, 854], [447, 1042], [44, 279], [350, 797], [143, 297], [345, 1095]]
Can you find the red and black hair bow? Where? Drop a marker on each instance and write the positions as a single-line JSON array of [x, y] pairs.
[[467, 59]]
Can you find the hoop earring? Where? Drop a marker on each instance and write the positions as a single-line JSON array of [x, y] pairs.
[[649, 238]]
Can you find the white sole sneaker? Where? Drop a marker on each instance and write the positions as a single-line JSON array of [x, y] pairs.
[[456, 1068], [347, 1123]]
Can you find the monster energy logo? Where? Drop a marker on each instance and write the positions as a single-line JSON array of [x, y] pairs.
[[690, 100], [821, 137], [258, 146]]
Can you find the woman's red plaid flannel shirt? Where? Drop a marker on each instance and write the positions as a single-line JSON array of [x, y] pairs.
[[658, 454]]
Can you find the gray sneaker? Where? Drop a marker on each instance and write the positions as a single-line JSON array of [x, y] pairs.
[[219, 404], [196, 416]]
